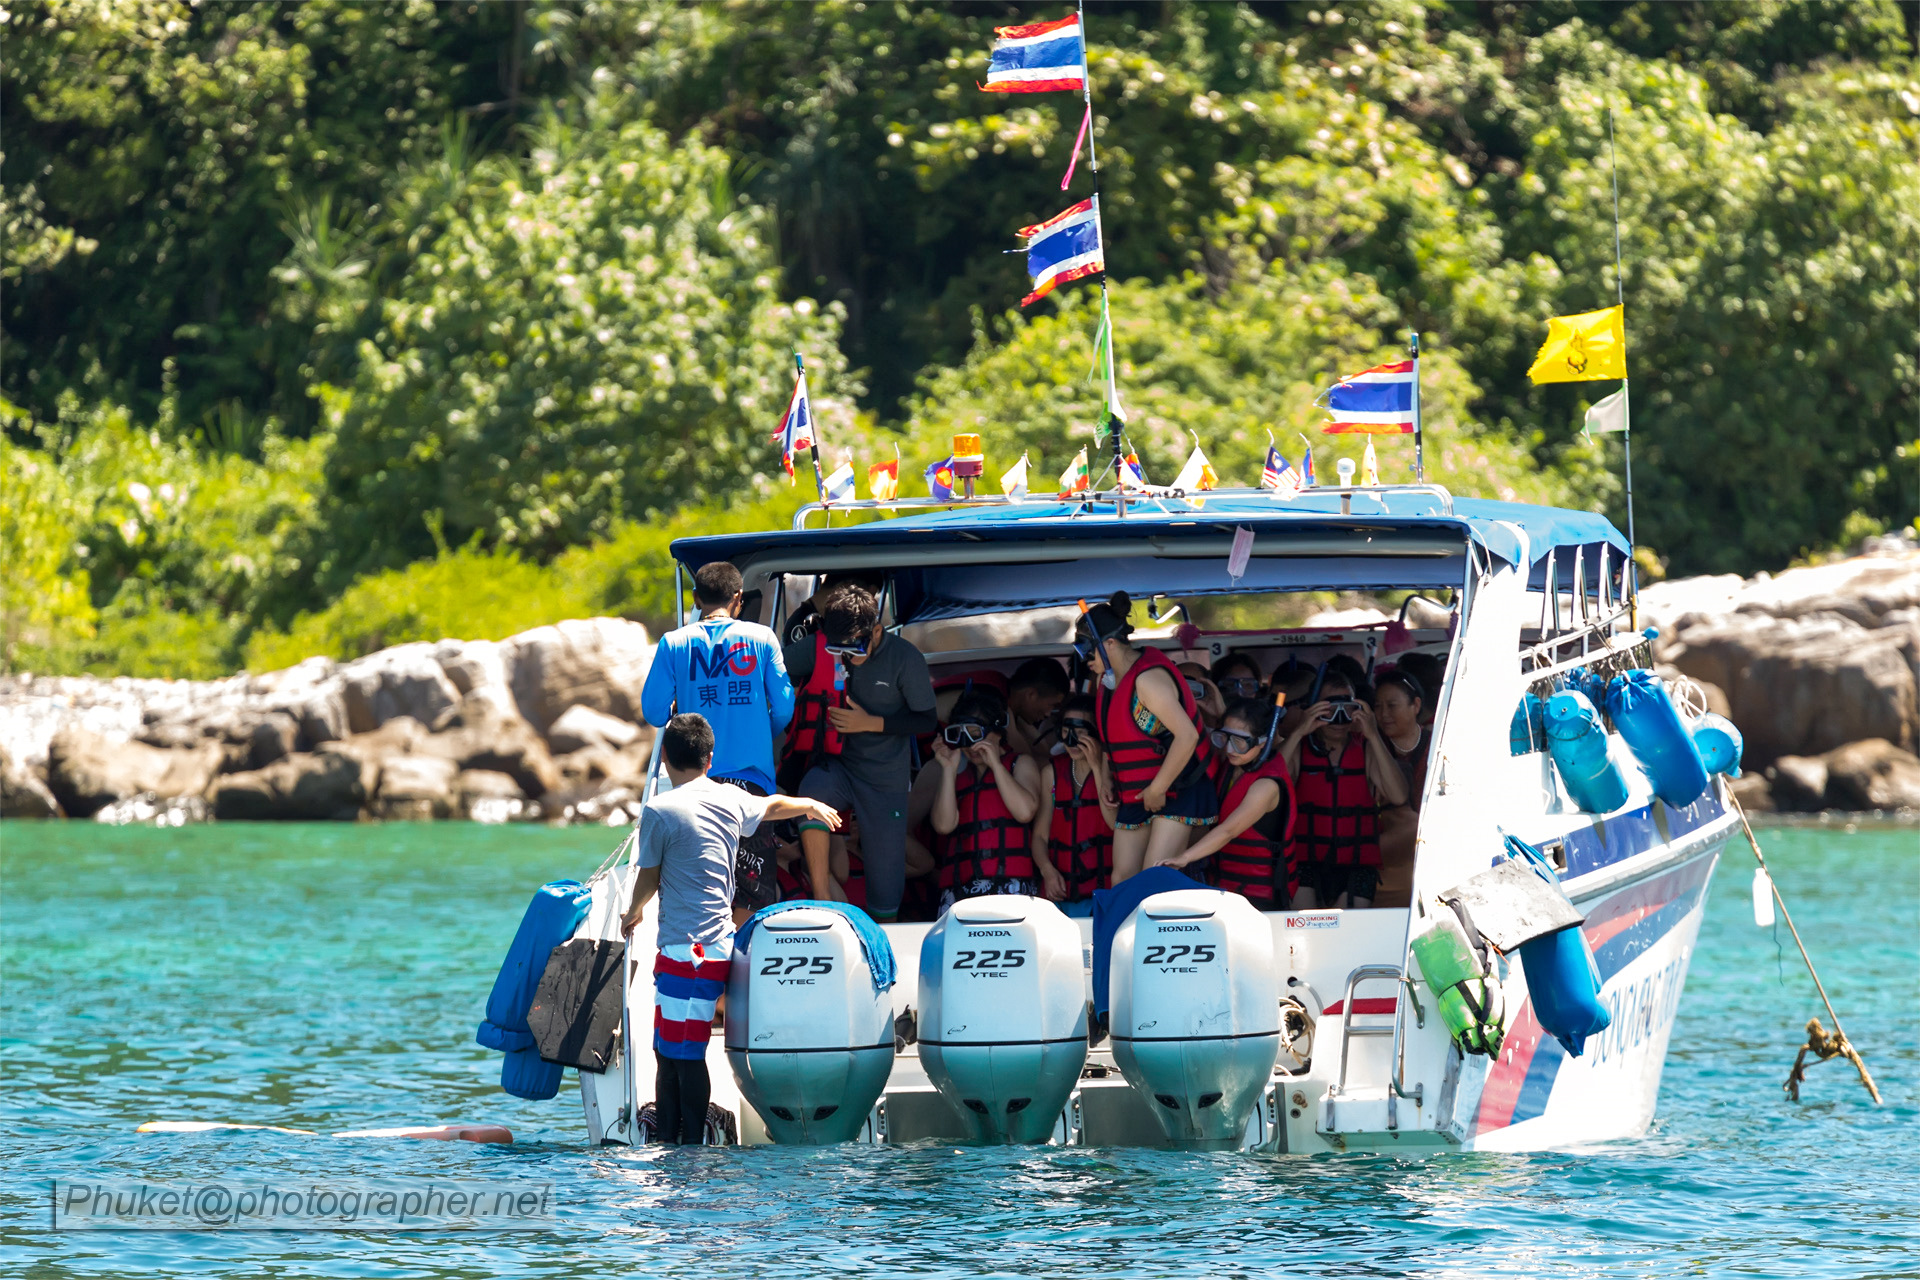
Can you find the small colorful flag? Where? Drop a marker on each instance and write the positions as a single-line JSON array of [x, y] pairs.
[[1103, 360], [939, 478], [1065, 247], [1014, 482], [839, 485], [1583, 348], [1370, 466], [1377, 402], [1278, 476], [1076, 477], [883, 480], [1131, 476], [1038, 57], [796, 428], [1307, 480], [1609, 414], [1197, 475]]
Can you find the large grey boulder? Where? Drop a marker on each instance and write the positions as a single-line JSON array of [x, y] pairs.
[[581, 726], [314, 786], [415, 788], [592, 662], [486, 795], [1873, 775], [23, 793], [87, 771], [406, 680]]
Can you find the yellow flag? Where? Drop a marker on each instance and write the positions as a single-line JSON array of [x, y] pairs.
[[1583, 348]]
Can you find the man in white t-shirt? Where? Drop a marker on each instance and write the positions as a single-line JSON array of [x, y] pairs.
[[689, 837]]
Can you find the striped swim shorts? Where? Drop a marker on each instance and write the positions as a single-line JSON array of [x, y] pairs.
[[688, 979]]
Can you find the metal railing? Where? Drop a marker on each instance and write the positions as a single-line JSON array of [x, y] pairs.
[[1396, 1089], [1119, 499]]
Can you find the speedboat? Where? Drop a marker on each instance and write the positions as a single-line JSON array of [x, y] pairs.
[[1520, 602]]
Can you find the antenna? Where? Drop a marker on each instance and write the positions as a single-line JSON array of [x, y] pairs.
[[1626, 400]]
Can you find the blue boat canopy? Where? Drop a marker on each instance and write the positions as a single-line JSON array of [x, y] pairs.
[[969, 560]]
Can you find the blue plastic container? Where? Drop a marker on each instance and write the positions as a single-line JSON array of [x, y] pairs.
[[1528, 732], [1718, 741], [1651, 726], [1563, 982], [1577, 741]]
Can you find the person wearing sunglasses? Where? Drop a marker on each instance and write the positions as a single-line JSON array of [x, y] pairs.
[[1343, 774], [1150, 726], [1251, 845], [885, 698], [1237, 676], [1073, 832], [987, 795]]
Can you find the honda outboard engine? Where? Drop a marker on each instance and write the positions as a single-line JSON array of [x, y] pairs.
[[809, 1036], [1003, 1014], [1195, 1000]]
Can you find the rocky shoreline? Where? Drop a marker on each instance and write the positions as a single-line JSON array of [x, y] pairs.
[[1820, 668]]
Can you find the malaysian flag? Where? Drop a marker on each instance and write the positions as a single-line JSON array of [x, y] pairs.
[[1064, 247], [1377, 402], [1278, 476], [1038, 58]]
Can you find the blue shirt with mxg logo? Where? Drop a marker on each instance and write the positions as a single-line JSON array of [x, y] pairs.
[[732, 673]]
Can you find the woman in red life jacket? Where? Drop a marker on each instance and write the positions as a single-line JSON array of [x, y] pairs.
[[1251, 847], [1343, 774], [1150, 729], [987, 795], [1073, 832]]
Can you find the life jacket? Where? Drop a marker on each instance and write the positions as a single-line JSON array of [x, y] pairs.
[[989, 843], [1079, 843], [1135, 757], [811, 736], [1339, 821], [1255, 863]]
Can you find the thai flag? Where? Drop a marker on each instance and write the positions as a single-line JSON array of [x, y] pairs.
[[1038, 58], [1064, 247], [1377, 402], [796, 428]]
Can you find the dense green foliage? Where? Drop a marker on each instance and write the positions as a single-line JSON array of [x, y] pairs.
[[372, 279]]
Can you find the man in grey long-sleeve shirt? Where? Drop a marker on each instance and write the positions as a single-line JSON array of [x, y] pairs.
[[889, 701]]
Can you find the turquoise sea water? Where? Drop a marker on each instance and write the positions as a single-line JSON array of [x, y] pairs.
[[330, 977]]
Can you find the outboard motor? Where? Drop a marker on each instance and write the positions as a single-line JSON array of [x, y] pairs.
[[1196, 1012], [1003, 1014], [809, 1031]]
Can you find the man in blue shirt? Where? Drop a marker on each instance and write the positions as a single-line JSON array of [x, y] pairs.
[[732, 673]]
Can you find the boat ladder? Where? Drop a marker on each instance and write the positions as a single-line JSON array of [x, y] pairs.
[[1396, 1088]]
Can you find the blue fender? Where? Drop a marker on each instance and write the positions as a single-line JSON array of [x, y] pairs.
[[1528, 732], [550, 919], [1719, 743], [1651, 726], [1577, 741], [1563, 982]]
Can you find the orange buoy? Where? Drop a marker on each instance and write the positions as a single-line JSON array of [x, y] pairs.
[[438, 1133]]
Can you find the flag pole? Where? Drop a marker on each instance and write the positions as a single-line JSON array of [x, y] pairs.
[[813, 436], [1626, 407], [1419, 441], [1113, 420]]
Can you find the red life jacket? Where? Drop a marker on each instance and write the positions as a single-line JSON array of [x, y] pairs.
[[811, 736], [1135, 757], [1079, 843], [989, 843], [1338, 811], [1254, 862]]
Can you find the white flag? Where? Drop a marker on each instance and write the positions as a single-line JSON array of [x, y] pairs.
[[840, 483], [1014, 483], [1197, 474], [1370, 465], [1609, 414]]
